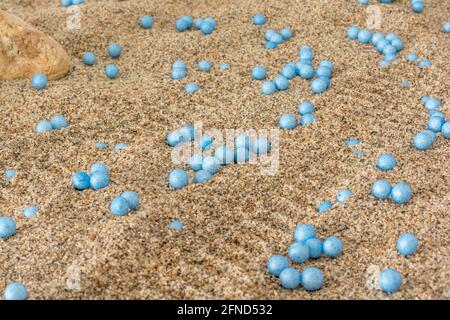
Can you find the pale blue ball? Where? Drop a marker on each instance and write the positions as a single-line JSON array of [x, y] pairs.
[[66, 3], [269, 33], [114, 50], [343, 195], [211, 164], [7, 227], [181, 25], [435, 123], [81, 180], [286, 33], [401, 193], [241, 155], [398, 44], [259, 73], [242, 141], [174, 138], [364, 2], [59, 122], [381, 189], [377, 36], [445, 130], [178, 179], [191, 87], [260, 145], [327, 64], [176, 225], [268, 88], [178, 73], [353, 32], [89, 58], [202, 176], [307, 119], [290, 278], [30, 211], [417, 6], [204, 66], [207, 27], [132, 198], [112, 71], [287, 121], [195, 162], [390, 280], [390, 57], [270, 45], [432, 103], [306, 53], [224, 154], [189, 21], [9, 174], [120, 146], [146, 22], [259, 19], [333, 246], [187, 132], [198, 23], [277, 264], [305, 71], [99, 167], [446, 27], [179, 64], [323, 72], [276, 38], [99, 180], [318, 86], [436, 113], [324, 207], [425, 63], [412, 57], [305, 107], [423, 141], [315, 247], [289, 71], [77, 2], [119, 206], [39, 81], [312, 279], [389, 49], [211, 21], [381, 44], [298, 252], [304, 232], [205, 142], [432, 134], [386, 162], [43, 126], [364, 36], [15, 291], [407, 244]]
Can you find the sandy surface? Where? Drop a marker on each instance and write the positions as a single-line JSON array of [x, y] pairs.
[[76, 249]]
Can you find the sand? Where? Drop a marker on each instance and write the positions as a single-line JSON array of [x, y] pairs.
[[75, 249]]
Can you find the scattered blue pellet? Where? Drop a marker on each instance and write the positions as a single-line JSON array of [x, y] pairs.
[[176, 225], [9, 174], [324, 207], [30, 211]]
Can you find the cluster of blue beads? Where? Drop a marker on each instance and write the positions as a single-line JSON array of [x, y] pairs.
[[98, 178], [274, 39], [306, 246], [123, 204], [68, 3], [388, 45], [436, 124], [55, 123], [205, 25], [111, 70], [321, 77], [400, 193], [306, 113], [412, 57], [342, 197]]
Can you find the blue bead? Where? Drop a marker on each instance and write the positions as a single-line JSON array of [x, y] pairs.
[[81, 180], [242, 141], [241, 155], [305, 71], [7, 227], [417, 6], [364, 36], [114, 50], [224, 154], [99, 180], [178, 179], [319, 86], [191, 87], [132, 198], [174, 138], [15, 291], [204, 65], [298, 252], [304, 232], [9, 174], [306, 53], [202, 176], [407, 244], [435, 123], [281, 82], [207, 27], [99, 167], [270, 45], [312, 279], [307, 119], [179, 64], [412, 57], [445, 130], [381, 44], [423, 141], [268, 88], [287, 121], [59, 122], [30, 211], [353, 32], [66, 3], [178, 73], [364, 2], [446, 27], [119, 206], [324, 207], [390, 57], [352, 142], [181, 25], [121, 146], [290, 278], [176, 225], [269, 33], [390, 280], [432, 103], [305, 107], [333, 246], [276, 38], [436, 113], [401, 193], [211, 21], [315, 247], [277, 264], [77, 2], [432, 135], [89, 58], [211, 164], [195, 162], [386, 162], [343, 195], [286, 33], [224, 66], [198, 23], [289, 71], [112, 71], [259, 73], [381, 189], [146, 22], [398, 44], [39, 81], [43, 126], [188, 20], [259, 19], [206, 142], [425, 63], [323, 72], [377, 36], [260, 145], [389, 49]]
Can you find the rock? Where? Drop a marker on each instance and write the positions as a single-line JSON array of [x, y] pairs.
[[25, 51]]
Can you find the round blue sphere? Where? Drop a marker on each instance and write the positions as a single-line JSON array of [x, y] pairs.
[[114, 50], [445, 130], [319, 86], [446, 27], [66, 3], [259, 73], [174, 138], [178, 73], [119, 206], [146, 22], [401, 193], [15, 291], [435, 123], [324, 207], [364, 36], [287, 121], [112, 71], [89, 58], [39, 81], [353, 32], [381, 189], [290, 278], [178, 179], [343, 195], [298, 252], [204, 66], [386, 162], [306, 71], [59, 122], [187, 132], [205, 142], [195, 162], [307, 119], [286, 33], [423, 141], [43, 126], [312, 279], [81, 180], [211, 164], [99, 180], [417, 6], [277, 264], [30, 211], [390, 280], [207, 27], [281, 82], [305, 107], [7, 227], [99, 167], [202, 176], [304, 232], [132, 198], [259, 19], [268, 87], [407, 244], [191, 87], [315, 247], [333, 246], [181, 25], [289, 71]]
